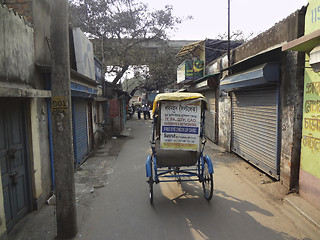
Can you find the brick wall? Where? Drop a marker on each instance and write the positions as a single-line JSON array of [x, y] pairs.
[[23, 7]]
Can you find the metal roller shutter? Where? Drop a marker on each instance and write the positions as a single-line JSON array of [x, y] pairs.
[[255, 128], [80, 131], [210, 121]]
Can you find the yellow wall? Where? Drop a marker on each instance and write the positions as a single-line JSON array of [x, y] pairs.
[[310, 143], [35, 149], [312, 20]]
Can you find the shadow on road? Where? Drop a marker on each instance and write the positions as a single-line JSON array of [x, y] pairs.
[[224, 217]]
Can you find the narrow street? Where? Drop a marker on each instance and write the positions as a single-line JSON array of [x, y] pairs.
[[240, 209]]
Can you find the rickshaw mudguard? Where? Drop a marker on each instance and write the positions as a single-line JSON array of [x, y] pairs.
[[148, 166], [209, 162]]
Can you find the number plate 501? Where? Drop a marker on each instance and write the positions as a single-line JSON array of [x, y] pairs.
[[59, 103]]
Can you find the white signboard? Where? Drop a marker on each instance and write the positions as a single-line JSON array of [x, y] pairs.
[[84, 54], [181, 72], [180, 126]]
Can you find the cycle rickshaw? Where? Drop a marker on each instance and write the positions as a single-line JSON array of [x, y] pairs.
[[178, 142]]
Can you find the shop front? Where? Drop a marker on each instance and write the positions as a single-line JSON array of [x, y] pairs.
[[83, 92], [255, 116], [207, 86]]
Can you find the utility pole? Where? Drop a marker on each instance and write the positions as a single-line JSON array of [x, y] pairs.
[[66, 216], [229, 63]]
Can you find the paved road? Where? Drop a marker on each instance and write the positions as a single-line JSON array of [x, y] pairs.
[[238, 210]]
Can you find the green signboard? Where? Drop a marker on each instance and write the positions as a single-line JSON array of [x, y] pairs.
[[190, 70]]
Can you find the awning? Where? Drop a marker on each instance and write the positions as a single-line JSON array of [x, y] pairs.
[[266, 74], [186, 49], [206, 77], [303, 44], [206, 82], [81, 90]]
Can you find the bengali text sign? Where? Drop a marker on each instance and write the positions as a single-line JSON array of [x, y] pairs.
[[180, 126]]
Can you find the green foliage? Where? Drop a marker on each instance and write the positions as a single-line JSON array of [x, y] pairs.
[[163, 69]]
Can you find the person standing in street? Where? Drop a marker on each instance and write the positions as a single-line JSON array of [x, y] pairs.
[[139, 112], [148, 111], [144, 109]]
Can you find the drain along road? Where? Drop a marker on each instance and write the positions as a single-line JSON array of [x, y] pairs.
[[241, 207]]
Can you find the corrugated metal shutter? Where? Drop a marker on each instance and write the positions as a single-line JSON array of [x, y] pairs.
[[210, 120], [81, 148], [255, 128]]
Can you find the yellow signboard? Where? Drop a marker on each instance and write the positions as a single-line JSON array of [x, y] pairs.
[[312, 21], [59, 103]]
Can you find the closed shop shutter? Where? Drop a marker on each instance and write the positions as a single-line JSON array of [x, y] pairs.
[[210, 120], [255, 128], [80, 131]]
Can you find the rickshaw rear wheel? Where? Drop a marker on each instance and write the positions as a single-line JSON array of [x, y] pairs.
[[151, 189], [207, 183], [150, 181]]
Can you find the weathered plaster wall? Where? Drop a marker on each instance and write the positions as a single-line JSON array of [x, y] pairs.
[[224, 138], [40, 15], [16, 49], [22, 44], [210, 119], [284, 31], [291, 117], [36, 150]]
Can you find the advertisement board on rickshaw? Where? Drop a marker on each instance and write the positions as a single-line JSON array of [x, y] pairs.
[[180, 126]]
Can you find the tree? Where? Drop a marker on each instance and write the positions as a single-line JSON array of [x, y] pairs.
[[162, 68], [120, 29]]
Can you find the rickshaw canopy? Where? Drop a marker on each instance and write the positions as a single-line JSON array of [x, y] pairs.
[[176, 96]]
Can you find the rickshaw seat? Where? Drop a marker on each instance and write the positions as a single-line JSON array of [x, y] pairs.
[[175, 158]]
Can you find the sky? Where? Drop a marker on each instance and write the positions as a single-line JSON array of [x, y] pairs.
[[210, 17]]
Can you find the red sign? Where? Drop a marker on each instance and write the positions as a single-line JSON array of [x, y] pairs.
[[113, 108]]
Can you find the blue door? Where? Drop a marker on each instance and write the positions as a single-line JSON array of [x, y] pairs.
[[13, 160], [80, 130]]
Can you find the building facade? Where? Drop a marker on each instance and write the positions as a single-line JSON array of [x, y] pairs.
[[25, 151], [26, 155], [309, 174], [259, 100]]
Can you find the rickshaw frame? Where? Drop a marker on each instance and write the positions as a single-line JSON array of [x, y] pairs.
[[201, 171]]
